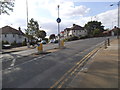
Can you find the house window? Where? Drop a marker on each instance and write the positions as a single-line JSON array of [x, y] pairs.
[[19, 36], [13, 35], [5, 35]]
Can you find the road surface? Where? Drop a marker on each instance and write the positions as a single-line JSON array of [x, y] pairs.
[[44, 71]]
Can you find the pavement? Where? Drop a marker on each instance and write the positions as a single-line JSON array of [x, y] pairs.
[[101, 71], [17, 49]]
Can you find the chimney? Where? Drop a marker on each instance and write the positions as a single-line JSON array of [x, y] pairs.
[[19, 29], [73, 24]]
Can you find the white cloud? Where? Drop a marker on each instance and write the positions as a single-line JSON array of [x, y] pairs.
[[108, 18], [45, 12]]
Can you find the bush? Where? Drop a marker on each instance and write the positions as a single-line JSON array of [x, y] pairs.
[[14, 44], [5, 42], [72, 38], [24, 43], [83, 37]]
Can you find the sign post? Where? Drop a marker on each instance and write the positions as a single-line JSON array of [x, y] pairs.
[[58, 21]]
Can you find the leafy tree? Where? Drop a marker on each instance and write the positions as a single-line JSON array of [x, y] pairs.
[[41, 34], [52, 36], [32, 29], [6, 6], [93, 25], [96, 33]]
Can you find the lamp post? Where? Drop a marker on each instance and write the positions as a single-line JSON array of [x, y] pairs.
[[118, 19], [0, 7], [27, 20], [27, 11]]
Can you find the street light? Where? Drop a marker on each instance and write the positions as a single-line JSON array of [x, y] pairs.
[[27, 11], [118, 19]]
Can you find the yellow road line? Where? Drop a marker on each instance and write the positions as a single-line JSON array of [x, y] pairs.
[[74, 71], [73, 68]]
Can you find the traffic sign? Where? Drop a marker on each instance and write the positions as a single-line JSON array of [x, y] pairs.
[[58, 20]]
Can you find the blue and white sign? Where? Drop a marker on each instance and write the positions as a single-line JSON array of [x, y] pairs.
[[58, 20]]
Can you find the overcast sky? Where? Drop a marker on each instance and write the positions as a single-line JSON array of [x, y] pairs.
[[71, 11]]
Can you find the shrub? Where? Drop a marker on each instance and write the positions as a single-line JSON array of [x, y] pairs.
[[14, 44], [83, 37], [24, 43], [72, 38], [5, 42]]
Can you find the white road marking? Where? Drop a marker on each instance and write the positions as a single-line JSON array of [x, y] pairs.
[[13, 63]]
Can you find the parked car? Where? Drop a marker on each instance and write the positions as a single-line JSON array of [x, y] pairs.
[[56, 41], [43, 42], [6, 46], [52, 41]]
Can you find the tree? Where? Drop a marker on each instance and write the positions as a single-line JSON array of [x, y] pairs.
[[5, 6], [32, 29], [52, 36], [93, 25], [41, 34], [96, 33]]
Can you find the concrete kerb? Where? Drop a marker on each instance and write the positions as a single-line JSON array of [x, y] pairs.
[[16, 50]]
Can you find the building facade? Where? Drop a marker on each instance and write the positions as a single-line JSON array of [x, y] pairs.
[[75, 30], [11, 35]]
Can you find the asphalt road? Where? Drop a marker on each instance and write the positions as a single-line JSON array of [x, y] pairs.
[[43, 71]]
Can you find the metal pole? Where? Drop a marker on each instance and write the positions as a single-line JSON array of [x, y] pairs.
[[27, 15], [27, 11], [108, 41], [118, 22], [58, 29], [0, 7]]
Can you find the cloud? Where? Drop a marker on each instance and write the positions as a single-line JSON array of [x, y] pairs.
[[108, 17], [75, 11], [45, 12]]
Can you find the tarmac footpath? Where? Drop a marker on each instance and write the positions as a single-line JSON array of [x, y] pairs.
[[101, 71]]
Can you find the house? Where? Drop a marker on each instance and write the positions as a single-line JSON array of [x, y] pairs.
[[12, 35], [112, 32], [75, 30]]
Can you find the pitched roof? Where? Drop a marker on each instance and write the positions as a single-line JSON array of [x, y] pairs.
[[10, 30], [114, 29], [74, 27]]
